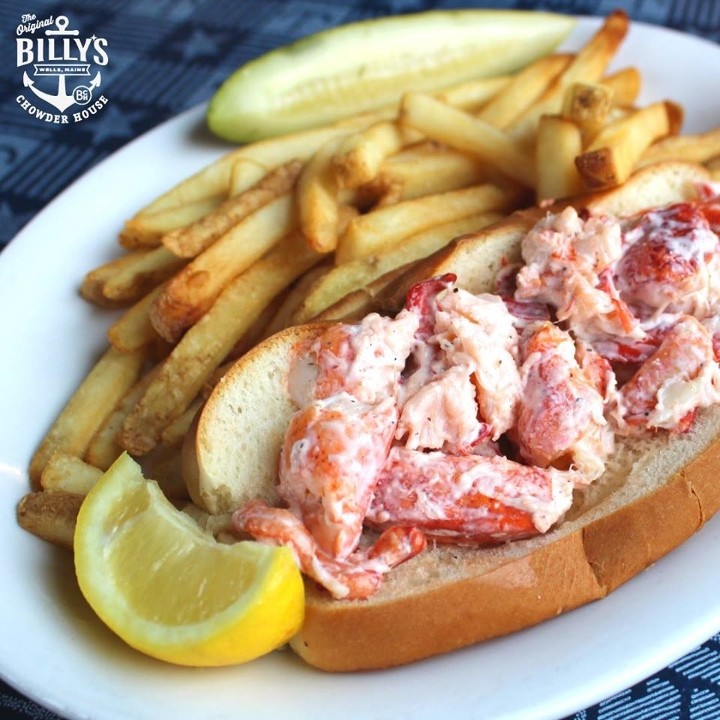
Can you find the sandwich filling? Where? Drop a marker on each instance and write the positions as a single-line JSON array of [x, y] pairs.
[[472, 419]]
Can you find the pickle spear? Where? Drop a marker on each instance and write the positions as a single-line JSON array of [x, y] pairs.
[[369, 64]]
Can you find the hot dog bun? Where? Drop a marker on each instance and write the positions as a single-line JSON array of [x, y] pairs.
[[654, 494], [230, 455]]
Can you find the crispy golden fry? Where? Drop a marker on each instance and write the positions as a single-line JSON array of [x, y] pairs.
[[611, 157], [50, 515], [368, 234], [214, 179], [68, 473], [174, 433], [191, 240], [356, 274], [588, 65], [693, 148], [464, 132], [190, 293], [358, 158], [390, 193], [134, 279], [133, 329], [146, 230], [301, 145], [715, 174], [588, 106], [473, 94], [104, 449], [417, 151], [317, 199], [283, 315], [432, 173], [253, 334], [625, 85], [94, 281], [244, 175], [355, 305], [559, 142], [203, 348], [95, 397], [523, 89]]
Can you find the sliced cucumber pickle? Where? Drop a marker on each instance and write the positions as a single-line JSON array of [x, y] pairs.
[[368, 65]]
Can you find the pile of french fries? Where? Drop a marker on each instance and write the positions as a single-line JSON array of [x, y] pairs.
[[311, 226]]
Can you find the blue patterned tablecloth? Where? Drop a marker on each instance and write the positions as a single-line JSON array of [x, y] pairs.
[[171, 54]]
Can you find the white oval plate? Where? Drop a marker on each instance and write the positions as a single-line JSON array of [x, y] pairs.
[[54, 650]]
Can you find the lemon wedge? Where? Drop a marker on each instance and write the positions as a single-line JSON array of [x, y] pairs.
[[369, 64], [168, 589]]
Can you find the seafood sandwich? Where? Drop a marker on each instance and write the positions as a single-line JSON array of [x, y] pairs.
[[503, 447]]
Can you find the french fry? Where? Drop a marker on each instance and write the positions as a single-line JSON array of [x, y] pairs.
[[523, 89], [391, 193], [253, 334], [190, 293], [625, 85], [50, 516], [356, 274], [293, 300], [83, 414], [432, 173], [94, 281], [146, 230], [360, 155], [317, 199], [214, 179], [355, 305], [191, 240], [70, 474], [588, 106], [367, 234], [693, 148], [136, 278], [203, 348], [103, 449], [302, 145], [133, 329], [469, 134], [611, 157], [559, 142], [473, 94], [244, 175], [588, 65], [174, 433]]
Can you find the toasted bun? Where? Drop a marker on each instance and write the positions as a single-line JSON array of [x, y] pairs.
[[230, 454], [653, 496]]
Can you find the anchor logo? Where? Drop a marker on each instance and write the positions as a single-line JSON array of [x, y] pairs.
[[81, 95], [63, 55]]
